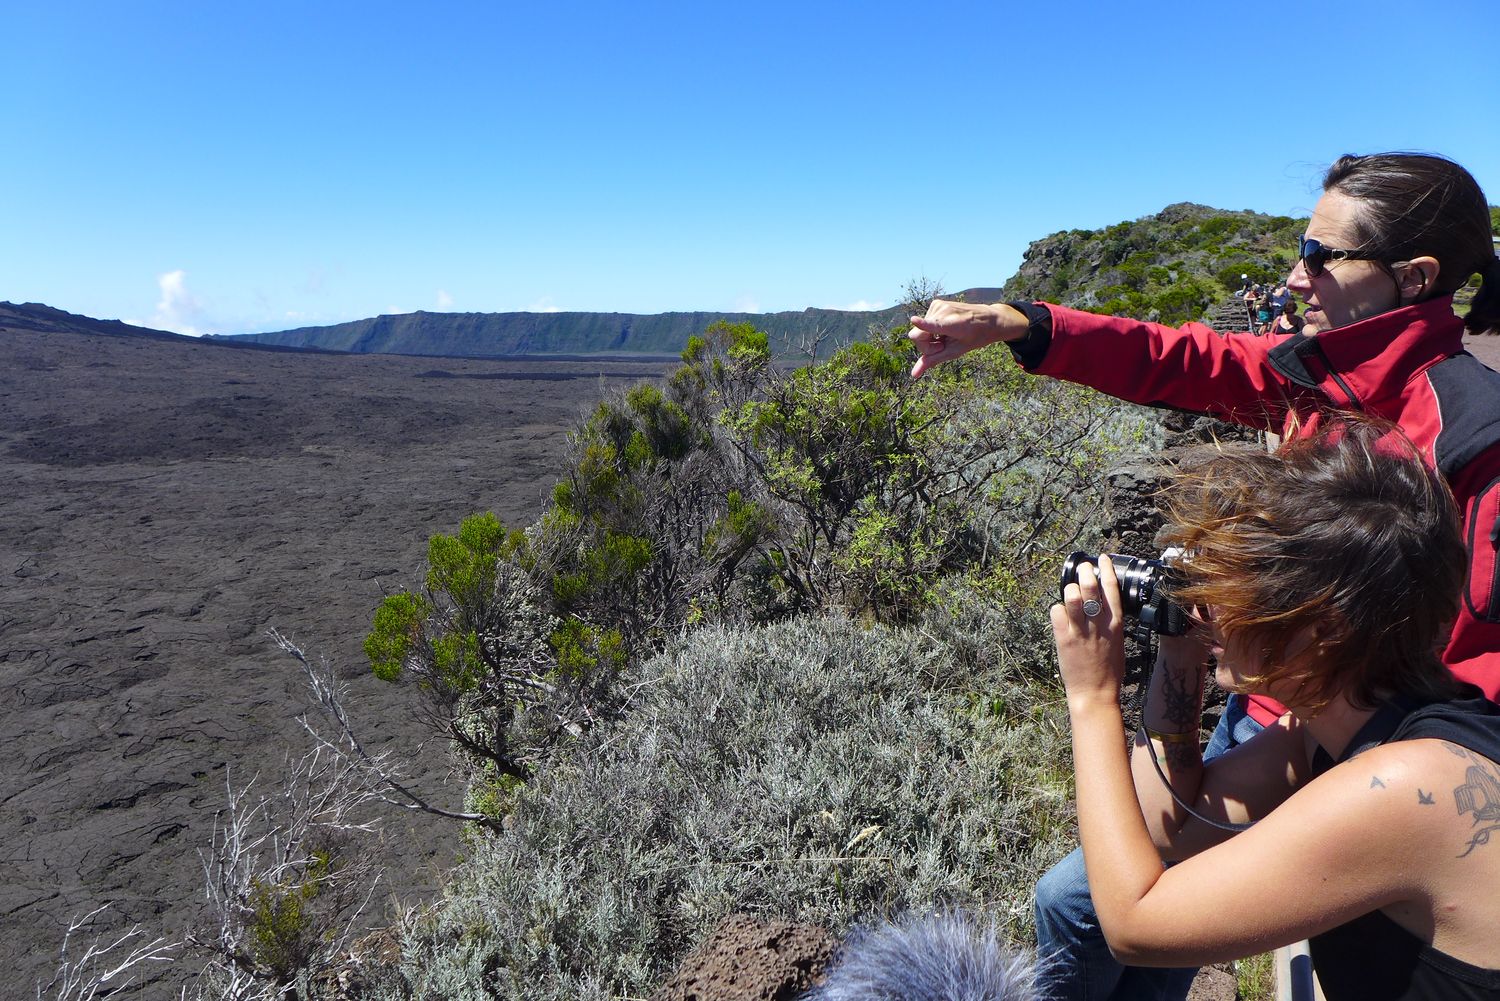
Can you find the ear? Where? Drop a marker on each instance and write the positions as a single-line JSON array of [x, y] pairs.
[[1306, 640], [1417, 279], [1312, 640]]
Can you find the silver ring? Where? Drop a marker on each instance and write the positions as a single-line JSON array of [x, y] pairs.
[[1091, 607]]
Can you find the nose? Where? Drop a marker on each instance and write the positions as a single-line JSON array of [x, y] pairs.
[[1298, 281]]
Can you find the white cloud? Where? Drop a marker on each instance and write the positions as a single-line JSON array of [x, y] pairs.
[[177, 310], [861, 307], [746, 304], [543, 305], [444, 301]]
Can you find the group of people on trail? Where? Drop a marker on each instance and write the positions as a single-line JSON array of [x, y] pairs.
[[1346, 590], [1270, 311]]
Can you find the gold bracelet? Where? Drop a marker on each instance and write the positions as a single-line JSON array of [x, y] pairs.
[[1191, 737]]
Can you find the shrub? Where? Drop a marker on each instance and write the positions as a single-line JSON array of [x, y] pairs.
[[481, 644], [739, 494], [879, 486], [814, 770], [1258, 272]]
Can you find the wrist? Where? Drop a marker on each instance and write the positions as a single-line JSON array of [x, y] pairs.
[[1088, 707], [1009, 324], [1171, 736]]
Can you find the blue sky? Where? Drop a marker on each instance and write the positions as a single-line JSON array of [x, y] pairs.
[[221, 167]]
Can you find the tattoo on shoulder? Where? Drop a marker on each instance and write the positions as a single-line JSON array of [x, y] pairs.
[[1424, 798], [1375, 782], [1479, 794]]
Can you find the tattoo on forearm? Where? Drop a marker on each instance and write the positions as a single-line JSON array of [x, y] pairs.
[[1375, 782], [1180, 700], [1479, 794], [1182, 755], [1425, 798]]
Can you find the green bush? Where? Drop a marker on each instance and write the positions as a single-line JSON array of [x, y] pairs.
[[478, 642], [739, 493], [1259, 272]]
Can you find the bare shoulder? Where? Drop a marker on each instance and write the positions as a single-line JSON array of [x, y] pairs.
[[1438, 789]]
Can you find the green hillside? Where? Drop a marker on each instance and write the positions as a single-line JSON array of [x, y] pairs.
[[1171, 267]]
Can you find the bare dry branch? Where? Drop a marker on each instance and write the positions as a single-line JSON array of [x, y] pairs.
[[376, 773], [107, 965], [288, 877]]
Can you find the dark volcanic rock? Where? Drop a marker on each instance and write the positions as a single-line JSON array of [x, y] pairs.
[[747, 959], [166, 503]]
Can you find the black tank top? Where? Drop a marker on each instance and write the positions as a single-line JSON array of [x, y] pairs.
[[1372, 958]]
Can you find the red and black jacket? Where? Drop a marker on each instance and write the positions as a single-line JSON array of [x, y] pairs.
[[1407, 366]]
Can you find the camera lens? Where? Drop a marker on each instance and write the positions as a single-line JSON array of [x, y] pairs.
[[1144, 590]]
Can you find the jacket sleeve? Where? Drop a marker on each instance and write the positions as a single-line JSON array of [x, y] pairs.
[[1189, 367]]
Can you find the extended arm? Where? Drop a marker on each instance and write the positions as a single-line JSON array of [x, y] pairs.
[[1190, 367]]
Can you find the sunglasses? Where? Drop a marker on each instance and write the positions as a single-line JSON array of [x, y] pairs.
[[1315, 256]]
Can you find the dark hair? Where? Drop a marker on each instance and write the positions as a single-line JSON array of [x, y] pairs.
[[1348, 531], [1419, 205], [1289, 307]]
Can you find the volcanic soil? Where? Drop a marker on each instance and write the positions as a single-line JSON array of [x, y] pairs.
[[166, 503]]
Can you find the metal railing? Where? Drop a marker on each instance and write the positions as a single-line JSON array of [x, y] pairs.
[[1294, 974]]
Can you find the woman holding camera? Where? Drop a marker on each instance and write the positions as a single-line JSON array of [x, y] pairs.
[[1327, 574], [1392, 238]]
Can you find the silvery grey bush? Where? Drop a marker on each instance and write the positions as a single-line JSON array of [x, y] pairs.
[[818, 770]]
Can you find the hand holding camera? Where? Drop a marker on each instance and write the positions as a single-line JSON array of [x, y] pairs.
[[1089, 629]]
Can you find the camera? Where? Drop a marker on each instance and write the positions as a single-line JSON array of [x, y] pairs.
[[1145, 591]]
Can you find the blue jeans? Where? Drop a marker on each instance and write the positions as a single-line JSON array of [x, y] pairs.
[[1075, 960]]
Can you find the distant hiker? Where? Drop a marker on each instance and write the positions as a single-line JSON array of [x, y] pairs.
[[1280, 297], [1264, 314], [1252, 303], [1392, 238], [1288, 322]]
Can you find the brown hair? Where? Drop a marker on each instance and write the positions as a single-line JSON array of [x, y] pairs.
[[1418, 205], [1348, 531]]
